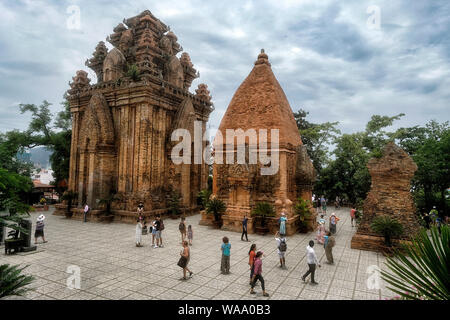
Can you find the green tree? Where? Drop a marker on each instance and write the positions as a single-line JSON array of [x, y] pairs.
[[317, 138], [53, 133], [429, 146]]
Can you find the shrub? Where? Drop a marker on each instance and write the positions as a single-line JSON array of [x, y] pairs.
[[387, 227], [12, 282], [302, 208], [133, 72], [263, 210], [204, 196], [174, 203], [217, 207]]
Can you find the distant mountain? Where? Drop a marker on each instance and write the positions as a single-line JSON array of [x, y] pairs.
[[40, 156]]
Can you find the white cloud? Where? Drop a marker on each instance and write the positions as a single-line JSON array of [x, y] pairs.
[[326, 59]]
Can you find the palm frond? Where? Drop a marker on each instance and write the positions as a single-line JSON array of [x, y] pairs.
[[421, 270]]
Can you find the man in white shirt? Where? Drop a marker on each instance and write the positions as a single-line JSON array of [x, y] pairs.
[[311, 259]]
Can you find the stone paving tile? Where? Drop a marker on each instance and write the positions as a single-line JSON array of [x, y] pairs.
[[113, 268]]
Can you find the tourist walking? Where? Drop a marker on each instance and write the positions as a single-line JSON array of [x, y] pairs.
[[158, 225], [318, 206], [140, 210], [281, 249], [161, 229], [153, 229], [320, 232], [257, 274], [251, 260], [282, 222], [190, 235], [433, 215], [86, 211], [139, 227], [244, 228], [323, 202], [337, 202], [311, 260], [328, 246], [185, 257], [226, 252], [182, 228], [333, 222], [39, 232], [353, 215]]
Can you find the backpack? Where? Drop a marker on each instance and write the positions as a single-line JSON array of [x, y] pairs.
[[283, 246], [161, 226], [181, 226]]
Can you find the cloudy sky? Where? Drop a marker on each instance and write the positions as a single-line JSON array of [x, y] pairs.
[[340, 60]]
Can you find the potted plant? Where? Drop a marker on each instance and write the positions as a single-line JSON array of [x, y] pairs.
[[174, 205], [261, 212], [107, 202], [69, 196], [302, 209], [216, 207], [203, 197], [387, 227]]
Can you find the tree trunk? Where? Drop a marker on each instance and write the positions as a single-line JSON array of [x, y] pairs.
[[387, 240]]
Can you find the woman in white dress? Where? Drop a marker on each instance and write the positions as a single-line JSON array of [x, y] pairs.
[[139, 233]]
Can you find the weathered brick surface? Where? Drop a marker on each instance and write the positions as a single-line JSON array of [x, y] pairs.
[[260, 103], [122, 125], [389, 195]]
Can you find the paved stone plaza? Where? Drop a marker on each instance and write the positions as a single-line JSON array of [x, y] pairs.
[[112, 267]]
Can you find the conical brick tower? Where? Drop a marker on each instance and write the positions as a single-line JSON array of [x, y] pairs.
[[260, 104]]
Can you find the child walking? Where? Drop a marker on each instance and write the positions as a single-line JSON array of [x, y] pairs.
[[226, 247], [190, 235]]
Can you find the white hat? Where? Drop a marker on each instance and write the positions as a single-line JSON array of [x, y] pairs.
[[333, 214], [41, 218]]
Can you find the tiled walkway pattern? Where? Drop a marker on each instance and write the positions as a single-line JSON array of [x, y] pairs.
[[113, 268]]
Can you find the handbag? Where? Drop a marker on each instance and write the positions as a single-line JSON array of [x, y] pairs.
[[182, 262]]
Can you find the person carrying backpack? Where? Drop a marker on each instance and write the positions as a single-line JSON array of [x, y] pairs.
[[281, 249]]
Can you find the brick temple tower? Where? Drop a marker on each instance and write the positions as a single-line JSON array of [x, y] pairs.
[[122, 125], [260, 103]]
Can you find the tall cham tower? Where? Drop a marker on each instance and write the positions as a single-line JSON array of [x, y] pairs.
[[122, 125], [260, 103]]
